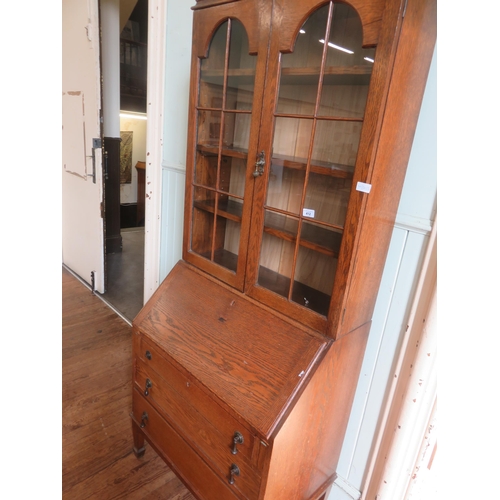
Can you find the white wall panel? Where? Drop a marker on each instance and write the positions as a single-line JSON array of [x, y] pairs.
[[177, 76], [172, 219], [416, 213], [175, 119]]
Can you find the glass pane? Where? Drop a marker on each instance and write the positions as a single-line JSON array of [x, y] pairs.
[[307, 49], [223, 133], [209, 126], [336, 143], [223, 239], [285, 186], [205, 172], [324, 81], [206, 169], [346, 101], [239, 96], [297, 99], [212, 71], [204, 199], [241, 70], [232, 175], [348, 67], [230, 207], [292, 137], [300, 69], [236, 131], [227, 244], [275, 266], [281, 225], [327, 198], [313, 281], [321, 238], [346, 38], [203, 222]]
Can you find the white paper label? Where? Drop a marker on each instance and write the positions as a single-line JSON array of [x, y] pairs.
[[363, 187], [308, 212]]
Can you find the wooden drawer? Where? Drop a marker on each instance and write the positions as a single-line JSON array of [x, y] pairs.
[[182, 459], [199, 419], [189, 389]]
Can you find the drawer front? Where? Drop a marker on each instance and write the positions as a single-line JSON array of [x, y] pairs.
[[188, 388], [206, 439], [182, 459]]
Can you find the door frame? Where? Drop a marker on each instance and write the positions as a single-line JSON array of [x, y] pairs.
[[154, 138]]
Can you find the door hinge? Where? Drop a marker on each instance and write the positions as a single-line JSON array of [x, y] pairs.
[[102, 210], [92, 281]]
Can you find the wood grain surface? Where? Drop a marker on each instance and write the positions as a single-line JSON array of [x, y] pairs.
[[253, 364], [97, 460]]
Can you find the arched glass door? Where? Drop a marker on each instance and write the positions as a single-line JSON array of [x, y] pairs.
[[318, 118], [224, 113]]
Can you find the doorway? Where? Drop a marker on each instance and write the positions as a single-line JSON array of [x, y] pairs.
[[125, 265]]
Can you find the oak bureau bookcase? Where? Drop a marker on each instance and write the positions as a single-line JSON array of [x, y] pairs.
[[301, 119]]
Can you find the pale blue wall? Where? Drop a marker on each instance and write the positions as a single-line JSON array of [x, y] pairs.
[[416, 215], [176, 98]]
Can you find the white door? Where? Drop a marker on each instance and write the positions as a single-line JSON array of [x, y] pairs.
[[82, 184]]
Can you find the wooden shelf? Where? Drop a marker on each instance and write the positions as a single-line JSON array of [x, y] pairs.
[[244, 76], [334, 75], [317, 166], [317, 301], [352, 75], [229, 209], [291, 71], [329, 70], [224, 258], [213, 150], [319, 239]]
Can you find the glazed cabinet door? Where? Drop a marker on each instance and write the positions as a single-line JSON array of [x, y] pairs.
[[317, 87], [228, 66], [287, 97]]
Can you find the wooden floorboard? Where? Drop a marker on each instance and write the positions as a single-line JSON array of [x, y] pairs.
[[98, 462]]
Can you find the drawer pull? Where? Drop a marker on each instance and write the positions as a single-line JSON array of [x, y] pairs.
[[234, 470], [237, 439], [144, 419], [149, 384], [148, 355]]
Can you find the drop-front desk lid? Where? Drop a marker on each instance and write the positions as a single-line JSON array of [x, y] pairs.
[[248, 357]]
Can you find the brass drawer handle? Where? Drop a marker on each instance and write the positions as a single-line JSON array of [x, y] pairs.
[[234, 470], [237, 439], [149, 384], [144, 420]]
